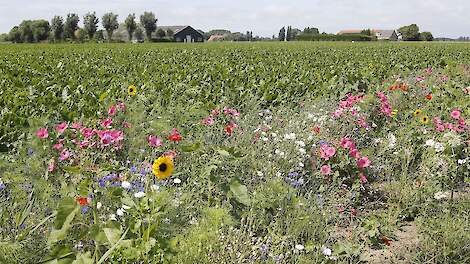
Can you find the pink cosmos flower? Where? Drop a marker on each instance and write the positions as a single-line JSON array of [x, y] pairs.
[[338, 113], [325, 170], [362, 122], [455, 114], [76, 126], [84, 144], [87, 132], [232, 112], [42, 133], [58, 146], [170, 153], [346, 143], [208, 121], [449, 126], [354, 153], [466, 90], [154, 141], [362, 178], [363, 162], [326, 152], [106, 123], [420, 78], [60, 128], [51, 166], [112, 110], [64, 155], [122, 106], [440, 128]]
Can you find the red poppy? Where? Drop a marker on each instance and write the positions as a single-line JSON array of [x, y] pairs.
[[82, 200], [230, 127], [175, 135], [316, 130], [429, 97]]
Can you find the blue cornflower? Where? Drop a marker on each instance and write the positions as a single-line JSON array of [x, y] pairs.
[[30, 151], [2, 186], [133, 169]]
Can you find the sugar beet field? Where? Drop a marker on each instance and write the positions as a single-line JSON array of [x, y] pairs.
[[235, 153]]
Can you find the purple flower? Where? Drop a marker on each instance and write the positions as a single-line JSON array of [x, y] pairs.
[[30, 152], [85, 209], [2, 186], [133, 169]]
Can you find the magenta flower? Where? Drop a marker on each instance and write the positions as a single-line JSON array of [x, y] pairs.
[[112, 110], [106, 123], [58, 146], [338, 113], [326, 152], [87, 132], [42, 133], [362, 178], [64, 155], [232, 112], [122, 106], [154, 141], [51, 166], [60, 128], [76, 126], [84, 144], [346, 143], [354, 153], [325, 170], [208, 121], [363, 162], [455, 114]]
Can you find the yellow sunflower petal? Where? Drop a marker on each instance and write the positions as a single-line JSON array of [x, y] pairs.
[[163, 167]]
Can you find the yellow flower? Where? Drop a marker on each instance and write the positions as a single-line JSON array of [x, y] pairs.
[[418, 112], [425, 119], [394, 113], [163, 167], [132, 90]]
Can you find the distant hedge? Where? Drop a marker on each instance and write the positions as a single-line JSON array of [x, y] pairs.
[[333, 37]]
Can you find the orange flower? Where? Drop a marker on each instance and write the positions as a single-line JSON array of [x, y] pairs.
[[82, 201], [429, 96]]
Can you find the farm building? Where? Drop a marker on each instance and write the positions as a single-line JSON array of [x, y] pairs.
[[183, 33], [216, 38]]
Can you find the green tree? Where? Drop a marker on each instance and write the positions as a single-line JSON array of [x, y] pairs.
[[149, 22], [313, 31], [131, 25], [99, 35], [170, 33], [289, 33], [161, 33], [426, 36], [41, 29], [366, 32], [80, 34], [410, 33], [15, 35], [90, 22], [71, 25], [110, 24], [139, 34], [282, 34], [57, 25], [26, 31]]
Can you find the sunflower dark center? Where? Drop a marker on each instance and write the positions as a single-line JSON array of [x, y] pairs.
[[163, 167], [132, 90]]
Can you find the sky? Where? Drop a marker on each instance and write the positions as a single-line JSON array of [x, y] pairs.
[[444, 18]]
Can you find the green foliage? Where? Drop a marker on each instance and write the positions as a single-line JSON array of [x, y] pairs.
[[110, 24], [333, 37], [131, 25], [426, 36], [410, 33], [71, 25], [149, 22], [90, 22], [57, 27]]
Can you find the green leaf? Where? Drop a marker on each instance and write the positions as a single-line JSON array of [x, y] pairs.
[[83, 259], [65, 215], [112, 234], [240, 192], [191, 148], [72, 169]]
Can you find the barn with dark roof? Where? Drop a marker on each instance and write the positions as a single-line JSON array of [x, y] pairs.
[[183, 33]]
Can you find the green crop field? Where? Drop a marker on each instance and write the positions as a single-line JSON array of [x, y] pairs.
[[297, 152]]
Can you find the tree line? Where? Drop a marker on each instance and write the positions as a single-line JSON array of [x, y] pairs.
[[60, 29], [407, 33]]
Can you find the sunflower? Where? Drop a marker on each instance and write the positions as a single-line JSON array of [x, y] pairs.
[[424, 120], [132, 90], [418, 112], [163, 167]]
